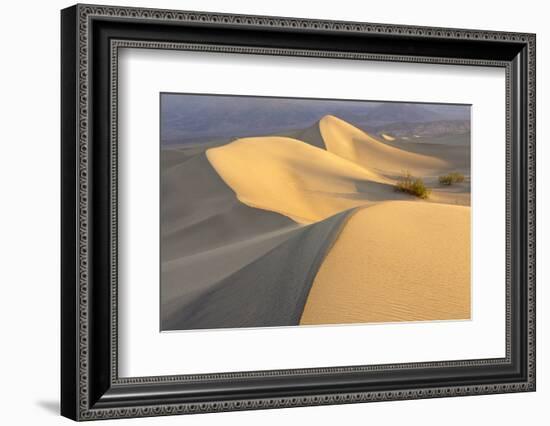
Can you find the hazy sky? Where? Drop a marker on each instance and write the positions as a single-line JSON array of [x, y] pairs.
[[196, 118]]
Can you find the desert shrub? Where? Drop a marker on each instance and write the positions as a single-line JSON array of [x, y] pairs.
[[414, 186], [451, 178]]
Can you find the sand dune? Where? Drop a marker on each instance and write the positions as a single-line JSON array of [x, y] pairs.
[[396, 261], [351, 143], [295, 179], [245, 227], [206, 233], [270, 291], [187, 277], [200, 212]]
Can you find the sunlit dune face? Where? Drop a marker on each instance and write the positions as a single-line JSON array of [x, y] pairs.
[[396, 261], [353, 144], [287, 176]]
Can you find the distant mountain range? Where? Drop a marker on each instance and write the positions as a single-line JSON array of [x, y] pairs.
[[195, 118]]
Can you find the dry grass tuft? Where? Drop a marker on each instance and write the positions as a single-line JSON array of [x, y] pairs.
[[451, 178], [414, 186]]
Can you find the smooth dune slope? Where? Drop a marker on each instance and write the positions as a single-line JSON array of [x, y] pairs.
[[200, 212], [188, 277], [353, 144], [269, 291], [295, 179], [396, 261]]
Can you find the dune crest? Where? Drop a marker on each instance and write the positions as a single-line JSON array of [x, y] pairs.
[[353, 144], [396, 261], [298, 180]]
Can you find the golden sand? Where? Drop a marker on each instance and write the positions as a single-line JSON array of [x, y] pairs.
[[396, 261], [351, 143], [290, 177]]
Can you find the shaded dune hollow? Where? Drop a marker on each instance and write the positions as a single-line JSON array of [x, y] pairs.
[[270, 291], [199, 212], [306, 228]]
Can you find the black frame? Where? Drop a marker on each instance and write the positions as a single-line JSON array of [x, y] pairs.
[[91, 37]]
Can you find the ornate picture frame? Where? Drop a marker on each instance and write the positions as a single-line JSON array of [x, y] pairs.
[[91, 37]]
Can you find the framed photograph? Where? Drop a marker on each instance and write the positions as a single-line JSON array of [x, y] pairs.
[[263, 212]]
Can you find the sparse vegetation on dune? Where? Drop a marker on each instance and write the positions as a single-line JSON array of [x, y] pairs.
[[412, 185], [451, 178]]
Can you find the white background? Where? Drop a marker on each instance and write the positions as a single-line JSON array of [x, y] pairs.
[[29, 225], [146, 352]]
